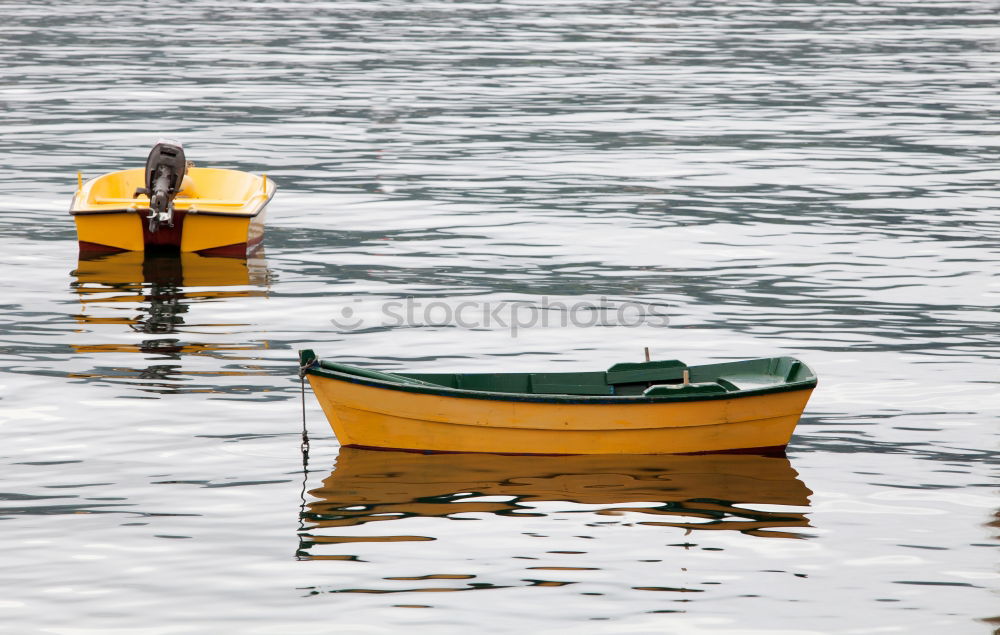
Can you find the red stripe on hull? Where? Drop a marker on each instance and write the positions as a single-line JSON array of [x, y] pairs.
[[97, 249], [164, 236], [239, 250], [771, 451]]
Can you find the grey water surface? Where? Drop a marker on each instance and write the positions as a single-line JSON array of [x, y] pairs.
[[528, 179]]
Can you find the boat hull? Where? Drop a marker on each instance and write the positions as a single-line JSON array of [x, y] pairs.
[[375, 417], [226, 220]]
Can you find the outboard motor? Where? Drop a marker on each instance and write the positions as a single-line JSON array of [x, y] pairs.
[[165, 168]]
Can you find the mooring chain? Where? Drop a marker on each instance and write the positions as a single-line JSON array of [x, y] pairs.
[[302, 381]]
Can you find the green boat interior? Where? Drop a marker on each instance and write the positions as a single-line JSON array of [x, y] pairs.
[[653, 379]]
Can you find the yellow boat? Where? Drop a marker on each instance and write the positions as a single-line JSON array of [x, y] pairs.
[[708, 492], [656, 407], [170, 203]]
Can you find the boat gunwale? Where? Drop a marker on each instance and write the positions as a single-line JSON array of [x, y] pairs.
[[318, 370]]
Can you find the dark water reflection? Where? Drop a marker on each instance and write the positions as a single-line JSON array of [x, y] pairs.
[[703, 492]]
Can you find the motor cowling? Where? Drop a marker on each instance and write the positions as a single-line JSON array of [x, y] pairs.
[[165, 168]]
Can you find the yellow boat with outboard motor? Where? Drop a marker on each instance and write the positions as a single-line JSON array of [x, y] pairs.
[[172, 204], [653, 407]]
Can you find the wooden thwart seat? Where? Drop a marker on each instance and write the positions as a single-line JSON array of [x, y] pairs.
[[629, 373], [183, 201], [570, 384]]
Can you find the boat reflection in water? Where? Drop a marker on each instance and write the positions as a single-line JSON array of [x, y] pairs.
[[691, 492], [152, 293]]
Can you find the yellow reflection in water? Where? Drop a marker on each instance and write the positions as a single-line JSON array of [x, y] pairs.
[[701, 492], [163, 280], [151, 293]]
